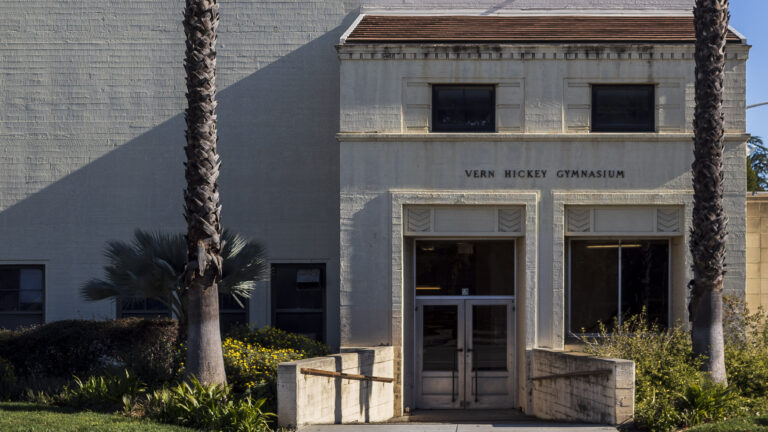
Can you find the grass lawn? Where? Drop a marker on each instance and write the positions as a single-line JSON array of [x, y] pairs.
[[26, 417], [745, 424]]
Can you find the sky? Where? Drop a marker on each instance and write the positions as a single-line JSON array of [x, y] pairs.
[[750, 18]]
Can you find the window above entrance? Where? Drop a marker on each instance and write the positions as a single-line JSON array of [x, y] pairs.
[[463, 108], [465, 268]]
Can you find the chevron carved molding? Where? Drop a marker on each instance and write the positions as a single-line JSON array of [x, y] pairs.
[[419, 219], [668, 220], [578, 220], [510, 220]]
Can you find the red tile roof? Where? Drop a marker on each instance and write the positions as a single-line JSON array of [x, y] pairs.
[[441, 29]]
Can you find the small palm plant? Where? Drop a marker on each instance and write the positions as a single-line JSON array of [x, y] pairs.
[[152, 267]]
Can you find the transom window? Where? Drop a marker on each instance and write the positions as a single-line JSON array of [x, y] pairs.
[[22, 291], [463, 108], [611, 280], [465, 268], [623, 108]]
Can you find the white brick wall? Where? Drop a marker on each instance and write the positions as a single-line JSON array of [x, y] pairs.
[[91, 131]]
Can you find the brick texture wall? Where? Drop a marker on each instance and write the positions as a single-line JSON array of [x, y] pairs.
[[92, 131]]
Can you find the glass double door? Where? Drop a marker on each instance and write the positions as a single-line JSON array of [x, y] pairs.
[[464, 353]]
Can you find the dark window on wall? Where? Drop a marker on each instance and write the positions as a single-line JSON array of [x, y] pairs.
[[22, 294], [142, 308], [614, 279], [463, 108], [298, 299], [623, 108], [230, 312]]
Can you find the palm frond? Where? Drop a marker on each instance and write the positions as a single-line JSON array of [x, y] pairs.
[[245, 263], [152, 266]]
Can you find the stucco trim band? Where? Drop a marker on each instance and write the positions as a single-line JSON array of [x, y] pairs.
[[686, 138]]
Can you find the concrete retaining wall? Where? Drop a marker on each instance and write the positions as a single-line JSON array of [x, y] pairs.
[[311, 399], [600, 398]]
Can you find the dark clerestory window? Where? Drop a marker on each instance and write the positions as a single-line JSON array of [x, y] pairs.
[[22, 293], [623, 108], [298, 299], [231, 313], [463, 108]]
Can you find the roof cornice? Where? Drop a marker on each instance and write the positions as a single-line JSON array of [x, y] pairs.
[[529, 51]]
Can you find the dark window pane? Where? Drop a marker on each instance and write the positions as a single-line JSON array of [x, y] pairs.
[[21, 295], [463, 108], [465, 268], [156, 306], [229, 303], [440, 338], [645, 279], [31, 289], [291, 289], [306, 324], [594, 284], [298, 298], [9, 301], [9, 278], [623, 108], [228, 320], [489, 337]]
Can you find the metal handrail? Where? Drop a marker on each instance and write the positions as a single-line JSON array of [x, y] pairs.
[[320, 372]]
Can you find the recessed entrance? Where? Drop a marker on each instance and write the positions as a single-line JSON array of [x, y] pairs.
[[464, 324]]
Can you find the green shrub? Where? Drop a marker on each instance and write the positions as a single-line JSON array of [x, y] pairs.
[[103, 393], [252, 369], [207, 407], [665, 368], [85, 348], [272, 338], [746, 349], [705, 402], [251, 358], [7, 379]]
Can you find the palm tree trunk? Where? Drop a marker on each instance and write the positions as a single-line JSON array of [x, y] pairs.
[[708, 231], [201, 197]]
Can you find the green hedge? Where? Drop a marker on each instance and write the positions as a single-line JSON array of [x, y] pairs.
[[78, 347]]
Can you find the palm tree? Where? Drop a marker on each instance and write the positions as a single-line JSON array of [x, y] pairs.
[[201, 196], [152, 267], [708, 231]]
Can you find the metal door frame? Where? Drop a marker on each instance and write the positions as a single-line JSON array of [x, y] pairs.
[[463, 376]]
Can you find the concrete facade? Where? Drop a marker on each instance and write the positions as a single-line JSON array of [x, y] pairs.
[[327, 151], [543, 106]]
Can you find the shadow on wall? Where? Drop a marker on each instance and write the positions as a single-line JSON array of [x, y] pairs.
[[279, 180]]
